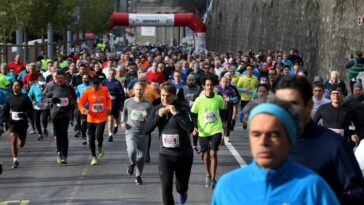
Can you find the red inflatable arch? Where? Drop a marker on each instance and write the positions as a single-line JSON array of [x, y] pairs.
[[184, 19]]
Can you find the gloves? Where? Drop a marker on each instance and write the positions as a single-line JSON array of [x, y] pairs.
[[56, 100]]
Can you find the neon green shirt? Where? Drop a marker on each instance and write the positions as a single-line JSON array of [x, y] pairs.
[[208, 112], [3, 81], [248, 83]]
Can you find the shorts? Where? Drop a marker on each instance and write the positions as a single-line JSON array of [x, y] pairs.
[[115, 111], [20, 128], [210, 142]]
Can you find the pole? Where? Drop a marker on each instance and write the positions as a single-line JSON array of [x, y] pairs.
[[50, 49]]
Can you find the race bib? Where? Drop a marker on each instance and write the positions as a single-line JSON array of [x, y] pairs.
[[113, 97], [249, 93], [97, 107], [137, 115], [154, 84], [338, 131], [170, 140], [191, 103], [210, 117], [63, 103], [15, 116], [40, 106]]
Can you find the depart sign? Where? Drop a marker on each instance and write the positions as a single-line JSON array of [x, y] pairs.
[[151, 19]]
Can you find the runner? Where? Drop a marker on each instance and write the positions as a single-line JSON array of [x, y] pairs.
[[206, 112], [175, 155], [133, 121], [336, 115], [321, 149], [36, 95], [99, 107], [230, 98], [117, 95], [16, 109], [191, 91], [60, 96], [246, 85], [83, 118]]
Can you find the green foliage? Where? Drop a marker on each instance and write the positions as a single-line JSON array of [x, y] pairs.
[[34, 15]]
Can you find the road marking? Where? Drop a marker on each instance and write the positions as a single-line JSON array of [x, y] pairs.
[[20, 202], [75, 189], [235, 154]]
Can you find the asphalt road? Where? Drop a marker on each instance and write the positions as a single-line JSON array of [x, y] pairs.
[[40, 180]]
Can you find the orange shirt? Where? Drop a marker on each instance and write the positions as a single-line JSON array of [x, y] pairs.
[[99, 103], [150, 93]]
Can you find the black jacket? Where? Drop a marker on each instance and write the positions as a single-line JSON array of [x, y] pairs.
[[180, 124]]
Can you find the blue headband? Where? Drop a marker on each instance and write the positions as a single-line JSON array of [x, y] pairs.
[[281, 114]]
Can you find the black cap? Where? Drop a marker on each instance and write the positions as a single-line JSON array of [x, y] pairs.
[[336, 87], [96, 80]]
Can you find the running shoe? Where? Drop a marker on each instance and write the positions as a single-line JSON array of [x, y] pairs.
[[213, 184], [195, 149], [138, 180], [59, 158], [33, 132], [115, 130], [94, 161], [208, 181], [15, 165], [111, 139], [147, 158], [101, 151], [84, 141], [64, 160], [131, 169], [78, 134], [45, 133], [182, 198], [40, 137]]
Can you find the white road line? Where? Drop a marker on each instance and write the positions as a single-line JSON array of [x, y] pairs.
[[235, 154]]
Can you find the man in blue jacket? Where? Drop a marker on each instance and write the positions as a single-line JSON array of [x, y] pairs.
[[321, 149], [272, 178], [117, 96]]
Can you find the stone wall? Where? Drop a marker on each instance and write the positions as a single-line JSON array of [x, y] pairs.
[[324, 31]]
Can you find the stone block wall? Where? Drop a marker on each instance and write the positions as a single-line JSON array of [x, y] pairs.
[[324, 31]]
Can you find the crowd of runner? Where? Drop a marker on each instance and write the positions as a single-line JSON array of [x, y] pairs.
[[195, 100]]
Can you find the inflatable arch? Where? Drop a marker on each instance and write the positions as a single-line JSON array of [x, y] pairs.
[[182, 19]]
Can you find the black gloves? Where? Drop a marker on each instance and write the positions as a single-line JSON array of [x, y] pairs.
[[56, 100]]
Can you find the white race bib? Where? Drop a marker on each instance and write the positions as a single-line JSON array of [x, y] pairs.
[[113, 97], [170, 140], [210, 117], [154, 84], [63, 103], [98, 107], [40, 106], [15, 116], [137, 115], [338, 131]]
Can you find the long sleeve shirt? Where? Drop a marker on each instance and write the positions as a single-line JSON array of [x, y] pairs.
[[177, 128], [290, 183], [99, 104], [330, 156]]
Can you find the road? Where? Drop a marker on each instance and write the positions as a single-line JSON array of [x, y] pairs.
[[40, 180]]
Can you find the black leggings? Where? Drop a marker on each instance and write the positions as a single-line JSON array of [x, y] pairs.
[[40, 116], [170, 165], [61, 133], [95, 130], [83, 125]]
